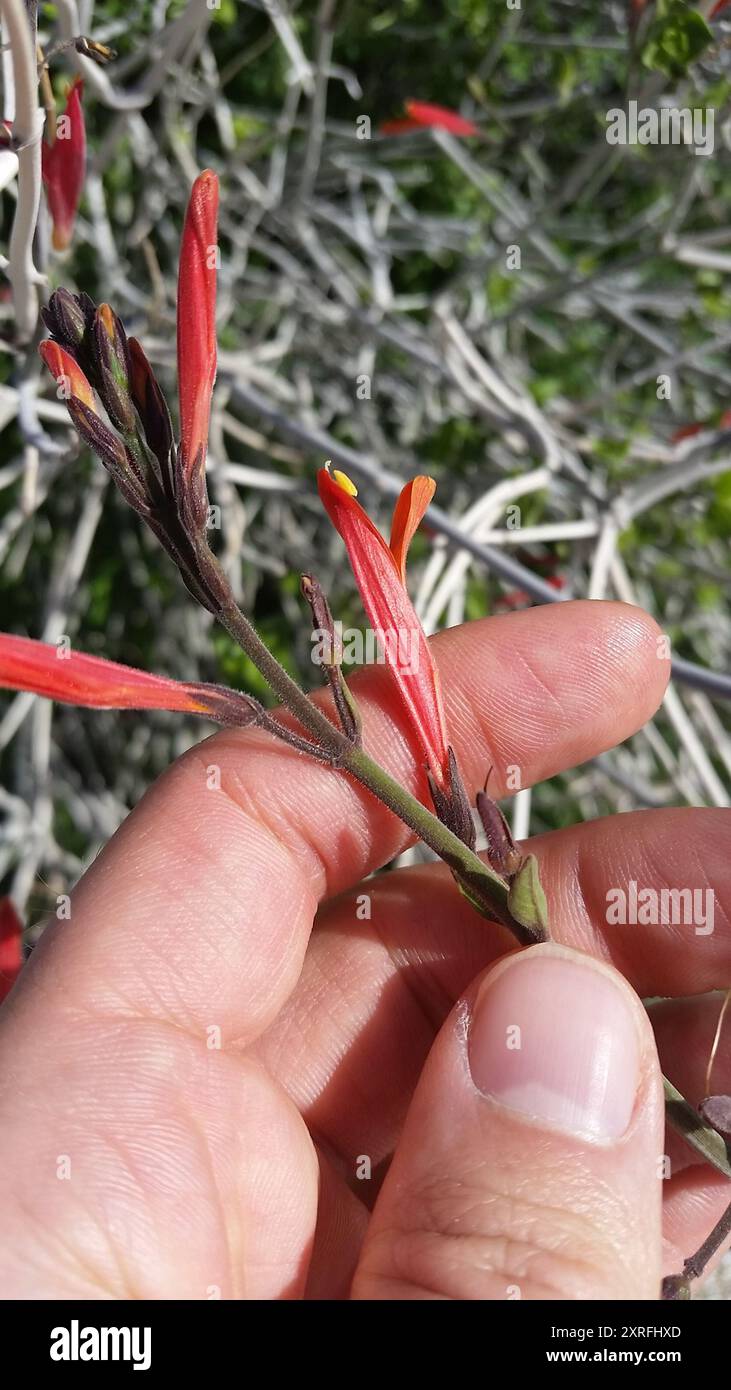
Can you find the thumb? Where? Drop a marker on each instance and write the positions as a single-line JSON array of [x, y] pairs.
[[529, 1162]]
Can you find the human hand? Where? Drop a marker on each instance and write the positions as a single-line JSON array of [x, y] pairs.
[[190, 1084]]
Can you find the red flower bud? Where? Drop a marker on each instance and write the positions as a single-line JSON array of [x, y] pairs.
[[197, 321]]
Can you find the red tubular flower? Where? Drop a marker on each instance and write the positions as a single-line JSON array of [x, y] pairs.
[[64, 167], [423, 115], [379, 574], [440, 117], [11, 947], [77, 679], [197, 321]]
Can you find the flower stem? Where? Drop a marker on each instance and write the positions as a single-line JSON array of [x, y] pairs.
[[486, 889]]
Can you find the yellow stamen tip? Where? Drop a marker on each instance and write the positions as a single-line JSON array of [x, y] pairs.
[[345, 483]]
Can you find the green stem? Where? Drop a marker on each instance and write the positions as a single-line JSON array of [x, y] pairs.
[[483, 886], [706, 1141]]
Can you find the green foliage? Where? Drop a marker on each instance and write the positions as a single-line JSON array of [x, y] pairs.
[[677, 36]]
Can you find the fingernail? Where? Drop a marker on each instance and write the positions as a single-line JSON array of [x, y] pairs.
[[554, 1037]]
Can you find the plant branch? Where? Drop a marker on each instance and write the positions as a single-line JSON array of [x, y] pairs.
[[694, 1266], [678, 1285]]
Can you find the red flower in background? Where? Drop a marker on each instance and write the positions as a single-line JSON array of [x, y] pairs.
[[423, 115], [64, 167], [379, 573], [11, 946], [687, 431]]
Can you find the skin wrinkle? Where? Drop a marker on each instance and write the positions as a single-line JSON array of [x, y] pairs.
[[235, 1269], [502, 1256], [126, 1288], [694, 1202], [272, 814], [432, 1016], [341, 1160], [547, 696], [306, 1094], [592, 905], [305, 859], [92, 1277], [469, 728], [356, 1092]]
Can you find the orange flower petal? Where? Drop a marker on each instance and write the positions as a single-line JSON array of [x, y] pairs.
[[407, 517]]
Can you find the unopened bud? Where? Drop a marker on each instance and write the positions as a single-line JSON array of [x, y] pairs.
[[502, 852], [66, 317], [451, 802], [151, 407]]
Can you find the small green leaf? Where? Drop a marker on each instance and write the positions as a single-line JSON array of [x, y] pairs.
[[526, 899]]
